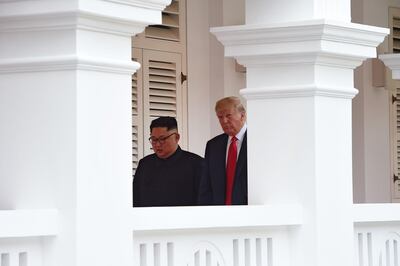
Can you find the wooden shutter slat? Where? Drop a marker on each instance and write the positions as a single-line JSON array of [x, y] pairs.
[[158, 113], [163, 93], [396, 22], [162, 106], [162, 65], [157, 99], [162, 86], [162, 72], [162, 79]]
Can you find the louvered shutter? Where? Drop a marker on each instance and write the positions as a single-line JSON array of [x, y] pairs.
[[396, 35], [396, 181], [394, 87], [137, 111], [156, 87], [394, 24], [162, 90]]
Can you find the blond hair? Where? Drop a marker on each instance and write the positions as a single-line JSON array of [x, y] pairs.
[[230, 101]]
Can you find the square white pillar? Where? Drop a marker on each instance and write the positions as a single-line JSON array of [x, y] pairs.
[[65, 111], [299, 91]]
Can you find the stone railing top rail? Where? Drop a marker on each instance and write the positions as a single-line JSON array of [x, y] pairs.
[[389, 212], [208, 217], [28, 223]]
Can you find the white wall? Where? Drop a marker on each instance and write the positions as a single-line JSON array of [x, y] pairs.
[[211, 76], [234, 81], [198, 50], [371, 141], [216, 63]]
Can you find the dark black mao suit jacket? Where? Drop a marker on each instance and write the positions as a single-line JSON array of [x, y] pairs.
[[213, 181]]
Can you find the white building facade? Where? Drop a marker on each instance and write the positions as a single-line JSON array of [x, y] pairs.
[[65, 139]]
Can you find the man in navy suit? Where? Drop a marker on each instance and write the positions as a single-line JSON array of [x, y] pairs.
[[224, 180]]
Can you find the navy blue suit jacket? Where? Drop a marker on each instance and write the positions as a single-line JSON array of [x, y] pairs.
[[213, 180]]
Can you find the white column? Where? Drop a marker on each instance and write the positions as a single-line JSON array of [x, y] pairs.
[[65, 115], [300, 57]]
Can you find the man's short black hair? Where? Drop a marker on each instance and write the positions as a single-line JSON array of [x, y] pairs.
[[164, 121]]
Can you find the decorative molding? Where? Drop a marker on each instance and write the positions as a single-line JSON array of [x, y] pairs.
[[392, 61], [105, 24], [71, 20], [306, 58], [318, 29], [310, 90], [6, 1], [150, 4], [338, 43], [67, 62], [122, 17]]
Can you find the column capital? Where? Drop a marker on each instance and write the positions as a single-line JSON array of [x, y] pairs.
[[392, 61], [321, 42], [123, 17], [310, 90], [67, 62]]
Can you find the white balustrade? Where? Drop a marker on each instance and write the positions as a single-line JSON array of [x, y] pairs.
[[253, 235], [23, 233], [377, 234], [214, 236], [209, 236], [21, 251], [235, 247]]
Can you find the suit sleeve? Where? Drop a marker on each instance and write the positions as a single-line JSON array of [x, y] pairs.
[[205, 191], [136, 185]]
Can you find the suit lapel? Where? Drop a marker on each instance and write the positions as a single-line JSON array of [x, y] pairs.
[[224, 144]]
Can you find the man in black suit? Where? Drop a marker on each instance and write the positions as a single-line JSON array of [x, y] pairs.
[[224, 179], [170, 176]]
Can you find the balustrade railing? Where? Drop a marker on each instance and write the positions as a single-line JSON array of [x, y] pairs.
[[210, 236], [22, 234], [377, 234]]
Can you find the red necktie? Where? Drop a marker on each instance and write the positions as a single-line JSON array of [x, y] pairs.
[[230, 170]]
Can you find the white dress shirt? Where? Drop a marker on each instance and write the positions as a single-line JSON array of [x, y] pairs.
[[239, 136]]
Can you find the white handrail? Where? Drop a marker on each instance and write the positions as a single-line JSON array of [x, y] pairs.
[[201, 217], [26, 223], [376, 212]]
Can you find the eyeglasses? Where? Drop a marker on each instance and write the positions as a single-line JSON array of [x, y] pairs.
[[160, 140]]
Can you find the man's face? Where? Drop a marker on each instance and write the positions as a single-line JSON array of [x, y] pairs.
[[230, 119], [164, 142]]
